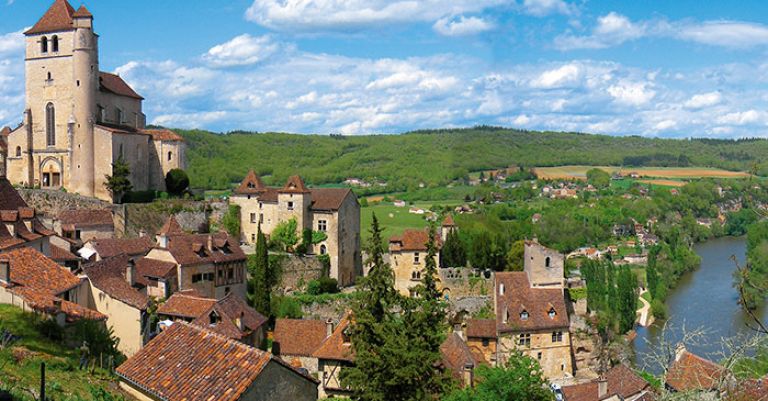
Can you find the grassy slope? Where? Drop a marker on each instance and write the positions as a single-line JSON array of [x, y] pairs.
[[64, 381], [394, 220], [434, 157]]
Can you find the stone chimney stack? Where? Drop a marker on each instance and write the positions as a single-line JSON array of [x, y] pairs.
[[5, 270], [469, 375], [239, 321], [602, 387], [328, 328], [210, 242], [130, 272], [458, 328]]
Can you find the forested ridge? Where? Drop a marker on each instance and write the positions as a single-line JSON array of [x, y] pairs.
[[437, 157]]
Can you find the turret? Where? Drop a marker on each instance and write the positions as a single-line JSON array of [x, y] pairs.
[[294, 200], [86, 75]]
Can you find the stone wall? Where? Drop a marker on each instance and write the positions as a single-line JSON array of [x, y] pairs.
[[52, 202], [463, 282], [297, 271]]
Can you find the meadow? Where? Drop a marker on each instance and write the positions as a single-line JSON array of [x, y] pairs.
[[668, 173]]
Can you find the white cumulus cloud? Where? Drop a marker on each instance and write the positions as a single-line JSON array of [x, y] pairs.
[[703, 100], [242, 50], [542, 8], [562, 76], [631, 93], [461, 26]]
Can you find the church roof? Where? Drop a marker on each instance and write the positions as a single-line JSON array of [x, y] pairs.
[[295, 185], [163, 135], [57, 18], [114, 84]]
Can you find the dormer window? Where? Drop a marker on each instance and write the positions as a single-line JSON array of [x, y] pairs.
[[214, 318], [44, 45], [345, 336], [552, 313], [524, 315], [251, 185], [416, 258]]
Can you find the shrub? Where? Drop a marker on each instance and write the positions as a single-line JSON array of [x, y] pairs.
[[284, 236], [323, 285], [286, 308], [176, 181], [139, 197], [658, 309]]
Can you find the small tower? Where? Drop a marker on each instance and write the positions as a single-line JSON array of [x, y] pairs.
[[446, 228], [294, 200], [86, 73]]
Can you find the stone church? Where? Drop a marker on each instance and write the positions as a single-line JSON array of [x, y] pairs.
[[79, 120]]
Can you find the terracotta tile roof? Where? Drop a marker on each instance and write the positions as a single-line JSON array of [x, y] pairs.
[[519, 297], [448, 221], [191, 249], [251, 184], [481, 328], [47, 303], [22, 231], [62, 255], [114, 84], [294, 185], [228, 310], [411, 240], [621, 381], [456, 355], [163, 135], [299, 337], [329, 199], [335, 347], [57, 18], [749, 390], [154, 268], [188, 363], [32, 269], [86, 217], [82, 12], [108, 275], [108, 247], [9, 197], [185, 306], [171, 226], [692, 372]]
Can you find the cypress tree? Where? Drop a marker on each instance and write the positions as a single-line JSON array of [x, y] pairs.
[[652, 277], [260, 285]]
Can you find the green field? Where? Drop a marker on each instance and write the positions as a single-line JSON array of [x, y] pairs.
[[580, 172], [394, 220]]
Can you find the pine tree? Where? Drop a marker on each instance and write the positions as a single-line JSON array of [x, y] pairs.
[[260, 286]]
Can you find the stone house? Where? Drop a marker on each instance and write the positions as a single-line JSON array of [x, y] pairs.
[[459, 360], [533, 320], [65, 258], [296, 340], [78, 120], [173, 366], [482, 338], [159, 278], [84, 224], [34, 283], [543, 267], [689, 372], [333, 355], [211, 264], [407, 253], [332, 211], [230, 317], [620, 383], [115, 293], [19, 224]]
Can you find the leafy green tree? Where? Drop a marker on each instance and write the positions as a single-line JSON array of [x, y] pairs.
[[176, 181], [231, 220], [626, 287], [520, 378], [118, 184], [285, 235], [652, 275], [260, 288], [598, 178], [515, 255], [452, 253]]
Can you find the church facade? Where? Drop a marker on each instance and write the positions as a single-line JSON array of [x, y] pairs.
[[79, 120]]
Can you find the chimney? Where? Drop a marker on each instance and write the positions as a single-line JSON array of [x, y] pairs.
[[130, 272], [239, 321], [459, 330], [210, 242], [469, 375], [142, 233], [328, 328], [602, 387], [5, 270]]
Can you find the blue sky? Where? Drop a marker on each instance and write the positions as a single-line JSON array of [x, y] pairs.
[[655, 68]]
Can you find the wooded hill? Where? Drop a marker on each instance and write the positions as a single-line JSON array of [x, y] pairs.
[[437, 157]]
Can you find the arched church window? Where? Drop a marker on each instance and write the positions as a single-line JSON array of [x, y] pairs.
[[50, 125], [547, 262], [170, 156], [44, 45], [18, 151], [55, 43], [323, 249]]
